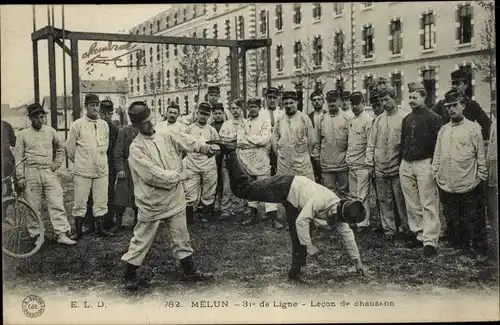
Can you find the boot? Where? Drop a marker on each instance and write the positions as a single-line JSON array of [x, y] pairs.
[[189, 215], [78, 228], [190, 272], [273, 215], [100, 228], [130, 277], [208, 213], [118, 223], [108, 219], [253, 219], [295, 274]]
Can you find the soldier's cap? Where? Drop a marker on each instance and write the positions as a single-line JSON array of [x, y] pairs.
[[205, 107], [35, 108], [254, 101], [139, 112], [91, 98], [453, 96], [219, 106], [460, 75], [349, 211], [374, 95], [383, 90], [173, 105], [213, 90], [316, 93], [272, 91], [415, 86], [356, 97], [346, 95], [332, 95], [106, 106], [289, 94]]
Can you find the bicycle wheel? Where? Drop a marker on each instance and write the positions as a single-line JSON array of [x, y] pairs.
[[17, 219]]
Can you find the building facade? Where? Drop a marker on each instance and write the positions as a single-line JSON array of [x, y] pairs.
[[331, 45]]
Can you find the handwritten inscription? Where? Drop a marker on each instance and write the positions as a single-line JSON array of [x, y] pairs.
[[95, 49], [95, 55]]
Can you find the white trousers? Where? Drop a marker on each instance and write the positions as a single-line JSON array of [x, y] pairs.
[[422, 200], [200, 185], [145, 234], [99, 188], [45, 183]]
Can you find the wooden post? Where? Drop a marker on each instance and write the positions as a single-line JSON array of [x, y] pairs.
[[75, 79]]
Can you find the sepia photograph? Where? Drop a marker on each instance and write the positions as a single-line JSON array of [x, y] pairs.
[[223, 163]]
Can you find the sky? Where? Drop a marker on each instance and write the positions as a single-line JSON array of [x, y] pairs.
[[16, 51]]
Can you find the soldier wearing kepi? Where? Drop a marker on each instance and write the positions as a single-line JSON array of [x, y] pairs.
[[217, 122], [252, 144], [472, 111], [124, 189], [38, 144], [213, 96], [459, 167], [333, 130], [359, 172], [86, 146], [295, 138], [304, 200], [418, 140], [157, 170], [272, 113], [106, 112], [171, 121], [201, 170], [346, 107], [317, 101], [383, 154]]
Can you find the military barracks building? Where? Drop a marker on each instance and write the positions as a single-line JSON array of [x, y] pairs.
[[401, 41]]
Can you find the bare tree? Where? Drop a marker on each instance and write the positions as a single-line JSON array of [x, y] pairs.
[[486, 62], [199, 66], [259, 71], [340, 56], [306, 76]]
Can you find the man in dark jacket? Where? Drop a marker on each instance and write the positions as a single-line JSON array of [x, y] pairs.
[[8, 141], [473, 112]]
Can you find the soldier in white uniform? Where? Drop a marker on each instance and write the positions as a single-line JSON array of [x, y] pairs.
[[201, 170], [272, 113], [38, 144], [171, 121]]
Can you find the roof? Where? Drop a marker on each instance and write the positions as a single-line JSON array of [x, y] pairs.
[[8, 111], [60, 103], [104, 86]]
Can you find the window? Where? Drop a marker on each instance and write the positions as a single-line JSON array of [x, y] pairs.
[[152, 84], [144, 30], [184, 14], [263, 22], [339, 49], [368, 41], [177, 100], [317, 11], [215, 8], [158, 52], [468, 72], [395, 39], [159, 106], [176, 52], [152, 103], [176, 78], [143, 56], [175, 19], [131, 85], [397, 83], [216, 31], [167, 51], [297, 16], [428, 36], [367, 83], [194, 11], [279, 57], [167, 22], [186, 102], [338, 8], [204, 9], [279, 17], [138, 81], [465, 28], [157, 26], [151, 29], [241, 27], [317, 51], [205, 33], [429, 81], [228, 65], [367, 4], [130, 60], [168, 79], [168, 101], [158, 80], [297, 55], [185, 49], [151, 54], [228, 29], [263, 61], [145, 84]]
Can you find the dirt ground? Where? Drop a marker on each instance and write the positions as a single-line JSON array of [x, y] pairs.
[[253, 259]]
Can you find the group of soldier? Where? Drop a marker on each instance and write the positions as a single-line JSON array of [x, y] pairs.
[[414, 162]]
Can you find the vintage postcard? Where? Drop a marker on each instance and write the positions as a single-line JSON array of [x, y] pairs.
[[224, 163]]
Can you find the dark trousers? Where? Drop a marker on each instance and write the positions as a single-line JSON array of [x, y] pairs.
[[120, 211], [273, 162], [272, 189], [317, 170], [108, 218], [465, 217]]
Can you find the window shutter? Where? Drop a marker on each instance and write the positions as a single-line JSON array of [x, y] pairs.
[[422, 36], [373, 40]]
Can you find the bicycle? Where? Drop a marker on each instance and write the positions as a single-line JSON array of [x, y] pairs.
[[15, 224]]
